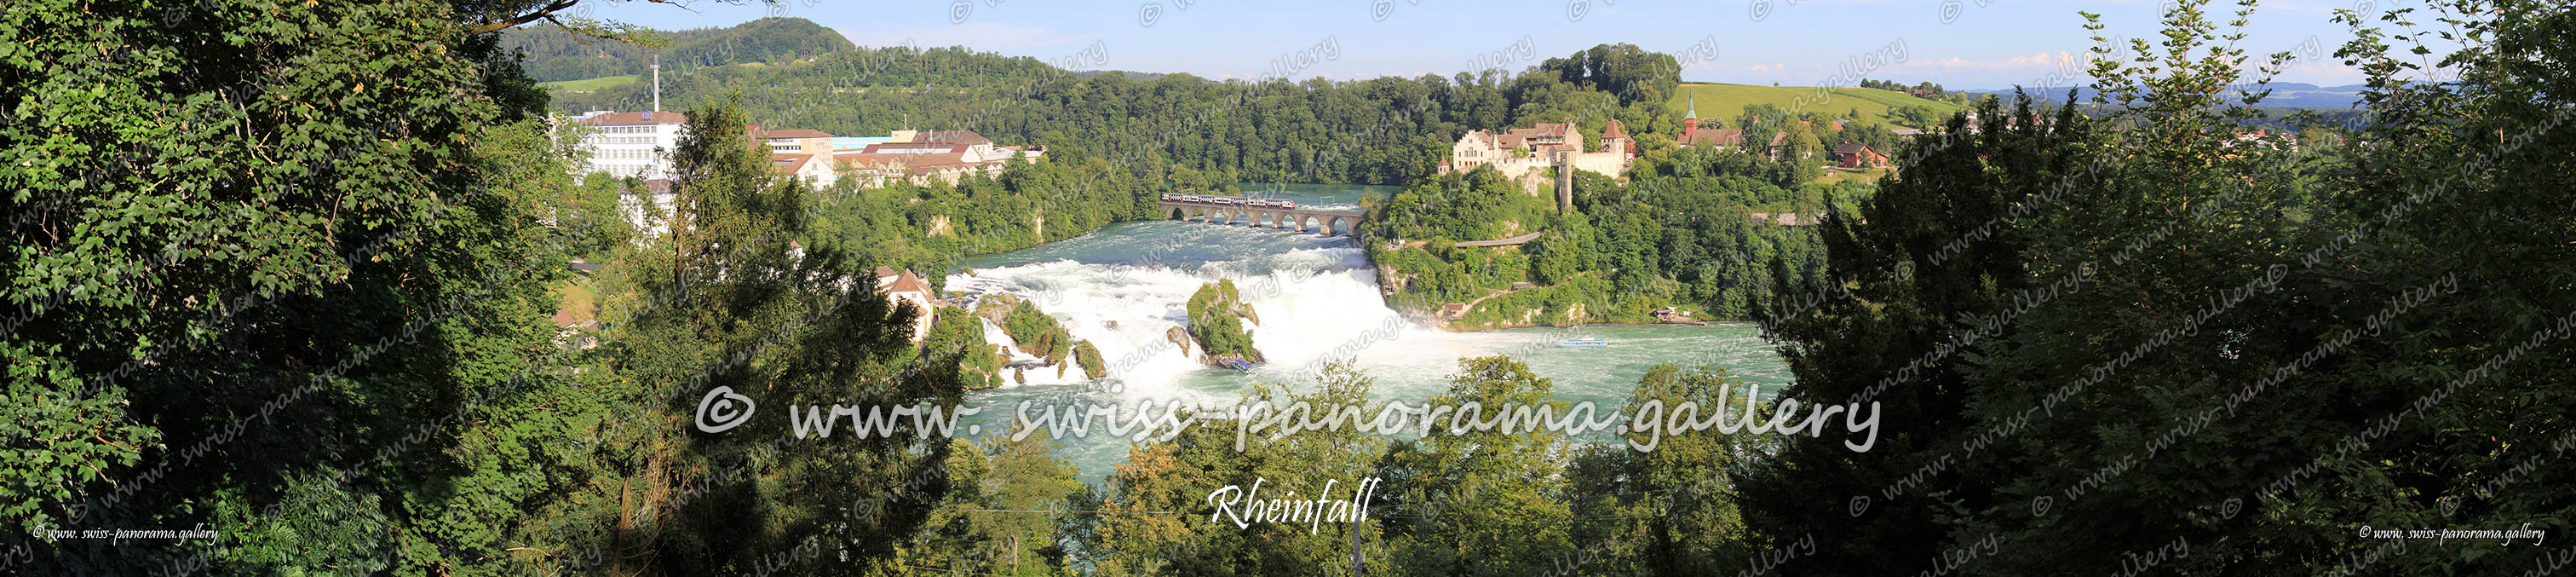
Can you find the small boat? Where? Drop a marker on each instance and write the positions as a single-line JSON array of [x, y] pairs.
[[1585, 342], [1240, 366]]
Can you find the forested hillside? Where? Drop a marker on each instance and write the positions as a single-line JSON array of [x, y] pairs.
[[554, 54], [1194, 132]]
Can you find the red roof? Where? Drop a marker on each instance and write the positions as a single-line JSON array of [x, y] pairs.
[[789, 163], [906, 282], [1716, 137], [1613, 130]]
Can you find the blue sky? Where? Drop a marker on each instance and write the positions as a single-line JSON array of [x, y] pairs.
[[1999, 44]]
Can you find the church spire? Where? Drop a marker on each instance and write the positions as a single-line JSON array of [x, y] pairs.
[[1694, 107]]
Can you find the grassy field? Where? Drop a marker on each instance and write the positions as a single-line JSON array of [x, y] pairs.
[[1839, 174], [1725, 101], [590, 84]]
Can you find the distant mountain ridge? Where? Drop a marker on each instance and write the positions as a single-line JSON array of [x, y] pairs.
[[2284, 95], [555, 55]]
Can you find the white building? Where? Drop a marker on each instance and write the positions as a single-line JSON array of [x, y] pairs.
[[625, 144]]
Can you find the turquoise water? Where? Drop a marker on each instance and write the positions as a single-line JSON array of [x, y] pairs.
[[1123, 286]]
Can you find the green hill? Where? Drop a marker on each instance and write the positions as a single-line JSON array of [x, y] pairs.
[[591, 84], [557, 56], [1724, 102]]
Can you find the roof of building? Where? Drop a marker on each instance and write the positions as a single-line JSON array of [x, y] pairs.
[[789, 163], [857, 142], [645, 117], [1613, 131], [873, 160], [929, 163], [954, 137], [658, 185], [1716, 137], [1544, 130], [915, 147], [1853, 147], [907, 283], [795, 133]]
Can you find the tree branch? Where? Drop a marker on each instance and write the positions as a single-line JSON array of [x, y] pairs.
[[546, 12]]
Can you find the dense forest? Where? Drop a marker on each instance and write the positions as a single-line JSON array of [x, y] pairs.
[[1194, 133], [260, 287], [555, 53], [1682, 233]]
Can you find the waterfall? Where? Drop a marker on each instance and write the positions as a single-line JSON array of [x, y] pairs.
[[1312, 302]]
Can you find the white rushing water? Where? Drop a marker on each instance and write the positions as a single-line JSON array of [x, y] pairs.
[[1124, 287], [1310, 301]]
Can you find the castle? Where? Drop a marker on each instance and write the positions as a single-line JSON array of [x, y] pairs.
[[1520, 153]]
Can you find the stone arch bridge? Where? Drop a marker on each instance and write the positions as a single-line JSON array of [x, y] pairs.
[[1234, 210]]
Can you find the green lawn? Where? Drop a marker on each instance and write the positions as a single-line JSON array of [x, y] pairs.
[[1839, 174], [590, 84], [1724, 101]]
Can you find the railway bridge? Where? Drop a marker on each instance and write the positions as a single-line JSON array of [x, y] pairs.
[[1259, 212]]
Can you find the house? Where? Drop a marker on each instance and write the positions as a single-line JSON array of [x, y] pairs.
[[921, 157], [573, 333], [814, 170], [797, 141], [1857, 155], [1453, 311], [903, 286]]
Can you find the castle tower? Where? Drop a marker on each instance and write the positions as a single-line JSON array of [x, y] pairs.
[[1615, 140]]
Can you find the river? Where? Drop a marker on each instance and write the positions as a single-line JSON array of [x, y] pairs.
[[1123, 286]]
